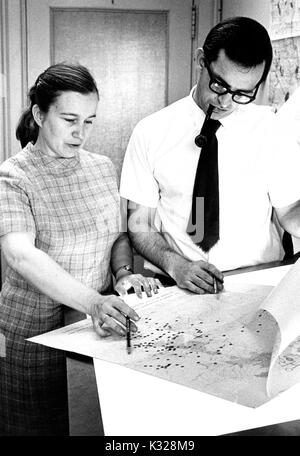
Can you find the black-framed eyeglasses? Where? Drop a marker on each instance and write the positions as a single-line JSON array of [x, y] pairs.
[[221, 88]]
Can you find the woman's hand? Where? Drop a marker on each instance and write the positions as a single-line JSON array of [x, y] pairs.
[[109, 316], [137, 282]]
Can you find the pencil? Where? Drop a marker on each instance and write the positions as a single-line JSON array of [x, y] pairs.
[[215, 286], [128, 335], [215, 280]]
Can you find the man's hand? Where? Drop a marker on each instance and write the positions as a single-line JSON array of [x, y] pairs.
[[109, 316], [137, 282], [196, 276]]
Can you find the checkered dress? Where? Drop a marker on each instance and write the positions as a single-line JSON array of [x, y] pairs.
[[72, 207]]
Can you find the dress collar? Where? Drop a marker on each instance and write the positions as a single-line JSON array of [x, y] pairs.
[[55, 164]]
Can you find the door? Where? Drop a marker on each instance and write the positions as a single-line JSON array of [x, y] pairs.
[[139, 52]]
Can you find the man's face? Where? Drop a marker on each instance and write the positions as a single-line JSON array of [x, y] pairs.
[[229, 74]]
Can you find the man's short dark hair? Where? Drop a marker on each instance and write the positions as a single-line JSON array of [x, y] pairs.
[[244, 40]]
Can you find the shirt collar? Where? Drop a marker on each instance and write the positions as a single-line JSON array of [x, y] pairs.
[[195, 111]]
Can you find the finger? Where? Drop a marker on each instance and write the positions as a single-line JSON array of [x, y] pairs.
[[158, 282], [118, 317], [220, 285], [99, 330], [206, 277], [121, 306], [142, 282], [213, 271], [138, 284], [194, 288], [116, 308], [111, 312], [146, 285], [138, 291], [114, 326], [154, 285], [209, 288], [121, 290]]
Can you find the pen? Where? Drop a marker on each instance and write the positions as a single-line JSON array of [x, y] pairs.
[[214, 279], [215, 286], [128, 335]]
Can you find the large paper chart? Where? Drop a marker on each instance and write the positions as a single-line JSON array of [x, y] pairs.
[[240, 345]]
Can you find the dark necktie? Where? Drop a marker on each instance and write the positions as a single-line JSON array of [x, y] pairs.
[[206, 186]]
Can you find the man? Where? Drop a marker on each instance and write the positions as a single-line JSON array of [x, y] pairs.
[[255, 190]]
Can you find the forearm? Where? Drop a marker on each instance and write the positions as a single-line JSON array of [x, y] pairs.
[[121, 254], [51, 279], [196, 276], [153, 247], [149, 242]]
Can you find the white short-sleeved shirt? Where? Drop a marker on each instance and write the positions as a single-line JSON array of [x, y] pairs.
[[254, 175]]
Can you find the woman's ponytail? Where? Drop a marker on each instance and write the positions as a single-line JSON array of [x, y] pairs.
[[27, 129]]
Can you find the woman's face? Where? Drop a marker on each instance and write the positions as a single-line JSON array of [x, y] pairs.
[[68, 123]]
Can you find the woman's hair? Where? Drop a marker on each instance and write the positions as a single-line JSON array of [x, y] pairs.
[[58, 78], [244, 40]]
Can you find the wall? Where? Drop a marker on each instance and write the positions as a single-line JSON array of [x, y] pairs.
[[209, 14], [206, 19], [12, 72], [258, 9], [3, 97]]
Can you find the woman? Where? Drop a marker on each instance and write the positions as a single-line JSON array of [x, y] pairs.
[[59, 228]]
